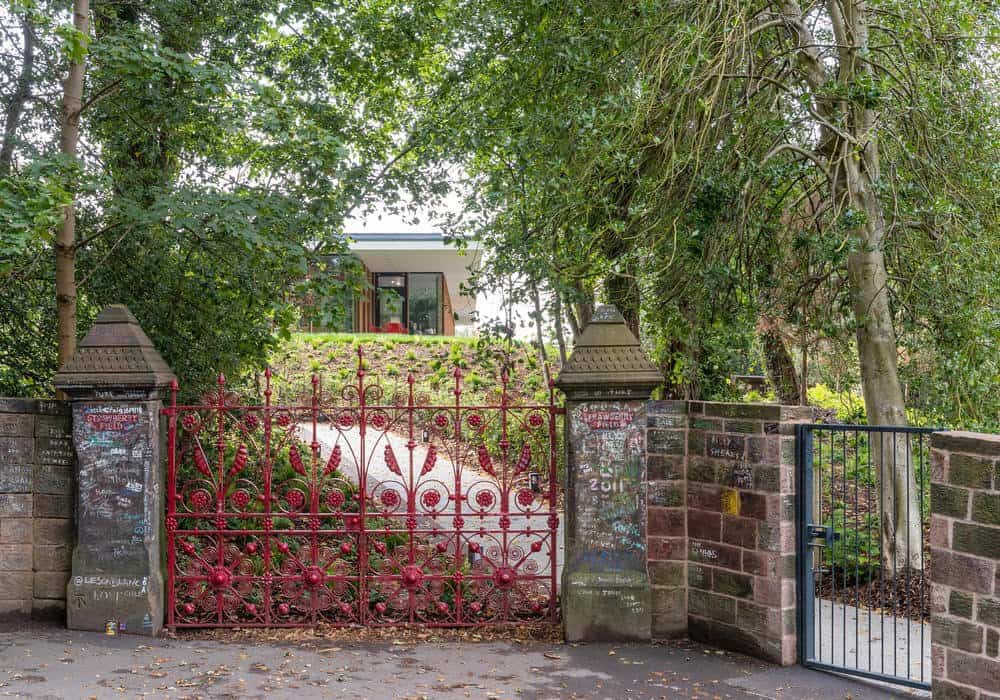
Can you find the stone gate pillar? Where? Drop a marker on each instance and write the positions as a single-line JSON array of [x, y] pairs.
[[605, 584], [115, 382]]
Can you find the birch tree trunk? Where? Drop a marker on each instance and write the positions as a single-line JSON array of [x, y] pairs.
[[65, 246]]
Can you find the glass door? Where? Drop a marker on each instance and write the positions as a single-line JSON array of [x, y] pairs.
[[390, 307], [424, 302]]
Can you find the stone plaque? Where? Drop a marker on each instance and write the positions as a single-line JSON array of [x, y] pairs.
[[115, 450], [16, 425], [608, 444], [17, 450]]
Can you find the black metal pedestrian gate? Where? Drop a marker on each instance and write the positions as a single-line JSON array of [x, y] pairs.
[[864, 565]]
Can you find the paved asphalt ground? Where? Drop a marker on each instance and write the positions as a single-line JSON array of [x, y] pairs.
[[38, 661]]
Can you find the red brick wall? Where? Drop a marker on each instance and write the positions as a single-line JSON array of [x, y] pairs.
[[965, 565], [721, 500]]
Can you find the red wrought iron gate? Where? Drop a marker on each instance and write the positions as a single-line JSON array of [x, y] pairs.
[[362, 506]]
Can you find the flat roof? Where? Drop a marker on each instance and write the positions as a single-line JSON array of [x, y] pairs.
[[428, 236]]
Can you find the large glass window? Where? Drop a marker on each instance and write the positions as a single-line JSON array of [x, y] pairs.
[[391, 301], [425, 303]]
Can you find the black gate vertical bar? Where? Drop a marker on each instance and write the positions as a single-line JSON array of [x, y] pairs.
[[806, 587]]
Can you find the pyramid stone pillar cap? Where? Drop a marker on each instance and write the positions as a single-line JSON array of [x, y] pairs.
[[608, 362], [116, 359]]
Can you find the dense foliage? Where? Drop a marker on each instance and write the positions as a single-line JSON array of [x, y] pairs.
[[722, 171]]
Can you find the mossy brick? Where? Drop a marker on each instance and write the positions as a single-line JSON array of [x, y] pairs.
[[743, 426], [725, 446], [706, 424], [969, 669], [56, 479], [662, 407], [789, 451], [988, 611], [665, 421], [15, 505], [704, 496], [50, 584], [53, 426], [16, 610], [704, 525], [943, 690], [712, 606], [979, 540], [699, 576], [969, 470], [666, 548], [760, 563], [38, 407], [665, 522], [16, 530], [960, 604], [52, 557], [764, 450], [974, 443], [702, 470], [940, 531], [17, 425], [15, 557], [668, 494], [734, 584], [735, 639], [755, 411], [952, 501], [986, 508], [759, 618], [964, 572], [696, 442], [767, 479], [16, 478], [665, 442], [53, 530], [667, 573], [715, 554], [992, 642], [47, 505], [759, 506], [669, 612], [665, 467], [957, 634], [739, 532]]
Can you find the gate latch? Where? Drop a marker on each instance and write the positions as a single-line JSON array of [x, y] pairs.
[[823, 532]]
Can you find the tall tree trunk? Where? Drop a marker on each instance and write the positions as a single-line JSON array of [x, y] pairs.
[[780, 365], [849, 145], [574, 323], [12, 117], [859, 171], [65, 247], [536, 298], [557, 312]]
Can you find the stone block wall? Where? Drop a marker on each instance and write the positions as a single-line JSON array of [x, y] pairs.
[[965, 565], [666, 466], [740, 500], [36, 507]]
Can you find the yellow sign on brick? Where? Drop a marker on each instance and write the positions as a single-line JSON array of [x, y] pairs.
[[730, 501]]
